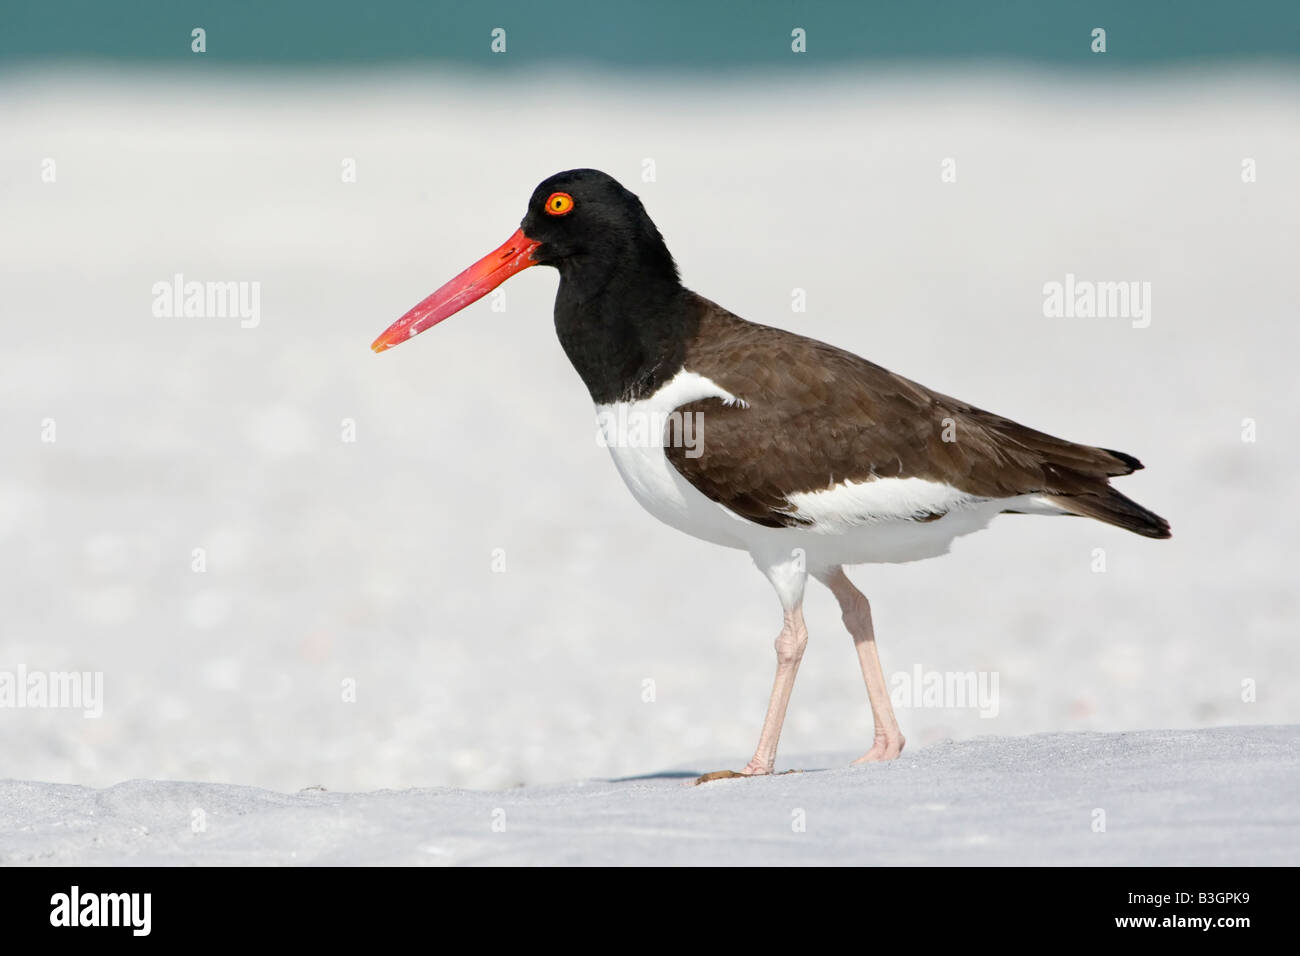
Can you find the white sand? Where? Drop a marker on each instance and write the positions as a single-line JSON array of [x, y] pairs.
[[1212, 797]]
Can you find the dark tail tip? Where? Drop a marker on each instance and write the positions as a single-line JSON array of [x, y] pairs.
[[1114, 508], [1129, 461], [1158, 527]]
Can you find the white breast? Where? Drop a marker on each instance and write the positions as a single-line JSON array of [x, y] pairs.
[[636, 433]]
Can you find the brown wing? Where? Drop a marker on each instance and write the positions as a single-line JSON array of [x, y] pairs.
[[817, 415]]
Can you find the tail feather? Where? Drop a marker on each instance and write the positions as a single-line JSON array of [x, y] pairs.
[[1129, 461], [1108, 505]]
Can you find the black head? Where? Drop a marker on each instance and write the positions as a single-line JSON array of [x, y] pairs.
[[620, 312], [588, 225]]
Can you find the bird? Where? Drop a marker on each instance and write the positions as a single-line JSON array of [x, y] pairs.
[[804, 455]]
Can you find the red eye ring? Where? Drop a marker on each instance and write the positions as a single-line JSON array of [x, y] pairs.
[[558, 204]]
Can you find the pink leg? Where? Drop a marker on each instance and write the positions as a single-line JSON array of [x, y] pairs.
[[856, 611], [790, 644]]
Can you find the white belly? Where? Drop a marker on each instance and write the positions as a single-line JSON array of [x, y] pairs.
[[850, 523]]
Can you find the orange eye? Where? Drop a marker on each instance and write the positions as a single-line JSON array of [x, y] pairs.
[[557, 204]]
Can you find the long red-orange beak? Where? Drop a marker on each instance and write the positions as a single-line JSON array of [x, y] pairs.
[[470, 286]]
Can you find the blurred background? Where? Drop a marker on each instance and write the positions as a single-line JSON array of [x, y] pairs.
[[298, 563]]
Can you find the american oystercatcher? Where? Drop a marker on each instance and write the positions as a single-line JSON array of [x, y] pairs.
[[800, 453]]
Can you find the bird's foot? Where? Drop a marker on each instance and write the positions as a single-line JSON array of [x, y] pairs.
[[885, 748]]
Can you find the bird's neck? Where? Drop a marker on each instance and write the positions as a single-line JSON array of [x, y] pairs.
[[625, 331]]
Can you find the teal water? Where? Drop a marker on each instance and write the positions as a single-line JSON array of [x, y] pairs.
[[670, 34]]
